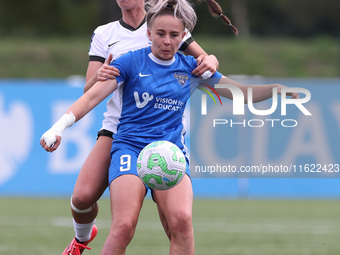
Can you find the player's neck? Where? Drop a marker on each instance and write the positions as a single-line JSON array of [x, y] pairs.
[[133, 17]]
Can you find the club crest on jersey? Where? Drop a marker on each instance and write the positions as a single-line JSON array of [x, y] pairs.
[[181, 78]]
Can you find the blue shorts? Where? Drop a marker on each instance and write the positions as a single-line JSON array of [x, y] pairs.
[[124, 161]]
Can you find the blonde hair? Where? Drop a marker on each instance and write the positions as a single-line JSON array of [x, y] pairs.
[[180, 9]]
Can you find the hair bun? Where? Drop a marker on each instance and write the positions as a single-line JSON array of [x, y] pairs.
[[180, 9], [171, 3]]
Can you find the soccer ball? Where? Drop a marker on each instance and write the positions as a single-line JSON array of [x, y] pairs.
[[161, 165]]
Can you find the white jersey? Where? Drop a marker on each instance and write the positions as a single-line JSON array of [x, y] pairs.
[[119, 38]]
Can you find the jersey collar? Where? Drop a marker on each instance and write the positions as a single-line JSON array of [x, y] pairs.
[[127, 26], [161, 62]]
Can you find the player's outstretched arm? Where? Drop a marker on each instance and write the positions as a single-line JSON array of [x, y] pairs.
[[260, 92], [51, 139]]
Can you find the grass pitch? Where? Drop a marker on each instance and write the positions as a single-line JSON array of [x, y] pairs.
[[235, 227]]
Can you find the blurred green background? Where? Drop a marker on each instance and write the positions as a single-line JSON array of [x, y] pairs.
[[280, 38]]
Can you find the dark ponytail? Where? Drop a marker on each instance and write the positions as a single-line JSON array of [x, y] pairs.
[[216, 10]]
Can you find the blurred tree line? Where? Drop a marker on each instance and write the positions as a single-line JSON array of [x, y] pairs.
[[298, 18]]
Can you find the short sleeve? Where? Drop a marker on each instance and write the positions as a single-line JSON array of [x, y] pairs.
[[124, 65], [186, 41], [96, 51]]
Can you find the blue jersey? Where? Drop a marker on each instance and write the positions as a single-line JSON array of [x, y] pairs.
[[153, 97]]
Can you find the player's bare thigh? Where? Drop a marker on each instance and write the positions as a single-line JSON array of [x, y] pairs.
[[93, 177], [178, 199], [175, 209], [127, 194]]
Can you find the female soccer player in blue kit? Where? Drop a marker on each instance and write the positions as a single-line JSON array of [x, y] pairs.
[[147, 76], [116, 39]]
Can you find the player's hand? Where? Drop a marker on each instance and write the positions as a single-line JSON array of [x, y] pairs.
[[205, 64], [50, 141], [293, 95], [106, 71]]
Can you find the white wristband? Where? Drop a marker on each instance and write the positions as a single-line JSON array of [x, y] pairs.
[[206, 75], [58, 128]]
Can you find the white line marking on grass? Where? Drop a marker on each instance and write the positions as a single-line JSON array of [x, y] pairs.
[[311, 226], [205, 225]]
